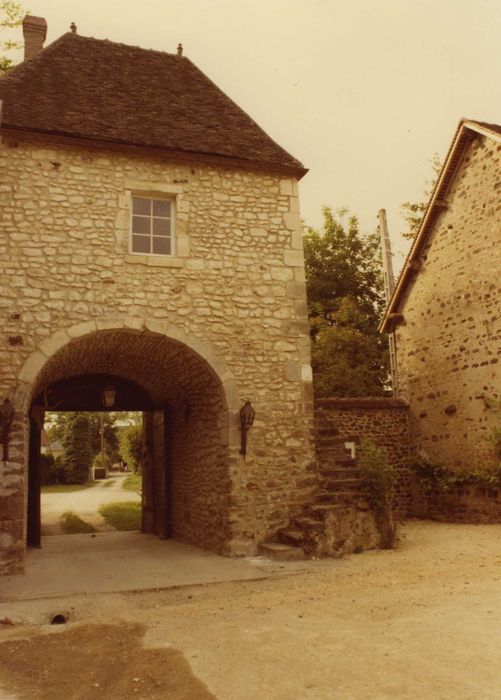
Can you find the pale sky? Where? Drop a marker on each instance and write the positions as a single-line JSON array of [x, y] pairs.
[[362, 92]]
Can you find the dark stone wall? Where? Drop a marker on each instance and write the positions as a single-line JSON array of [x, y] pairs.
[[449, 344], [465, 504], [384, 421]]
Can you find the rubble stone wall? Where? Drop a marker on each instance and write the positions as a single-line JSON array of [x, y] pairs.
[[235, 284], [449, 344], [385, 422]]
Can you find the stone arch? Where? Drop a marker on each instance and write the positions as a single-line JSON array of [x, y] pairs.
[[48, 347], [193, 396]]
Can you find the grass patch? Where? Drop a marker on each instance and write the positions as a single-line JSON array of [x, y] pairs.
[[72, 524], [108, 483], [122, 516], [133, 482], [67, 488]]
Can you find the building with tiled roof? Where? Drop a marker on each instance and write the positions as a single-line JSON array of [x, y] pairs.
[[98, 91], [446, 308], [151, 260]]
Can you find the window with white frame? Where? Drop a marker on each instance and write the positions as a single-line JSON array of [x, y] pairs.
[[152, 230]]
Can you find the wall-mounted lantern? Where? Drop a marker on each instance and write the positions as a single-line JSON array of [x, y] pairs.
[[247, 414], [6, 415], [108, 395]]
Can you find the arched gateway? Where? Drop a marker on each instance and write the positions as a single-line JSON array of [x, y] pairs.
[[186, 482], [158, 245]]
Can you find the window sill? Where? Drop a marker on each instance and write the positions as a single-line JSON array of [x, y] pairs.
[[155, 260]]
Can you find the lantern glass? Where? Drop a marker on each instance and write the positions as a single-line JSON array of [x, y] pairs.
[[108, 396]]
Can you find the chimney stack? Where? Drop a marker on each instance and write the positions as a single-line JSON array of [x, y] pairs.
[[34, 32]]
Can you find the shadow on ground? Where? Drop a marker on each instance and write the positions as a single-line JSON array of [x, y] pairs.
[[95, 661]]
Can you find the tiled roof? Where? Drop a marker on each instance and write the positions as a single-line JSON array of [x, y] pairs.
[[99, 90]]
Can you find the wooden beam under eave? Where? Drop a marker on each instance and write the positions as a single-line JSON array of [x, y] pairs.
[[415, 265], [441, 204]]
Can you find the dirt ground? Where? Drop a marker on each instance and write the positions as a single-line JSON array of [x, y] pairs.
[[423, 621], [84, 503]]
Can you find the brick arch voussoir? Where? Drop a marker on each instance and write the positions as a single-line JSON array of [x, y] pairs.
[[22, 395]]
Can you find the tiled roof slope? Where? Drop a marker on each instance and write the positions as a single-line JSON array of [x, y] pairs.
[[100, 90]]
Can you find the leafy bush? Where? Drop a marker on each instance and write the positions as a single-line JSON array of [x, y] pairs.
[[434, 476], [99, 462], [378, 479], [131, 446], [52, 469], [133, 482], [49, 473]]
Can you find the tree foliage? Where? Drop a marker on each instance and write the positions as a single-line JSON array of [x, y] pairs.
[[110, 435], [11, 17], [413, 212], [345, 304], [61, 427], [131, 445], [77, 449]]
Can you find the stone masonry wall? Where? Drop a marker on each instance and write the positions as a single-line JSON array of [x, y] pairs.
[[236, 284], [467, 503], [449, 345], [383, 421], [199, 478]]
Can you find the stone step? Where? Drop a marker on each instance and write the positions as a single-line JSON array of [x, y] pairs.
[[323, 509], [327, 467], [338, 501], [337, 485], [309, 524], [337, 497], [336, 494], [342, 473], [330, 456], [329, 442], [294, 538], [326, 497], [322, 437], [280, 552]]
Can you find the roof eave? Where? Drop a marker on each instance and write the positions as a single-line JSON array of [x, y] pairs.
[[297, 171], [465, 132]]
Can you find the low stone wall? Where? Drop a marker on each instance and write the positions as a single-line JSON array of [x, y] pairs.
[[464, 504], [383, 421]]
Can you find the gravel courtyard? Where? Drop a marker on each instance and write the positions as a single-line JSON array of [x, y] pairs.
[[420, 622]]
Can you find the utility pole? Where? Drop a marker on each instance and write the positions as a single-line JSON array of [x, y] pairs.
[[389, 286], [101, 430]]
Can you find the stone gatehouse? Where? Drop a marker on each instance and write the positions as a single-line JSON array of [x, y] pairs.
[[150, 236]]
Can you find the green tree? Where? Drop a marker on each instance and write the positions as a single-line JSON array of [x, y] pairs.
[[77, 448], [413, 212], [11, 17], [345, 303], [58, 423], [110, 434], [131, 445]]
